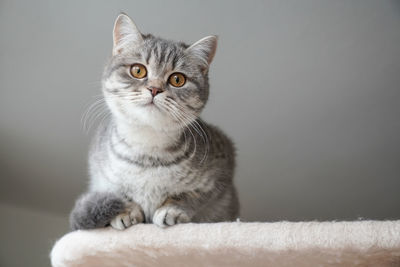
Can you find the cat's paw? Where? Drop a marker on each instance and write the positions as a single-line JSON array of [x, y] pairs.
[[133, 215], [170, 215]]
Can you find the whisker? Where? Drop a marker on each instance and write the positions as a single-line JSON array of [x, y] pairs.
[[87, 115], [185, 123], [96, 112], [194, 124]]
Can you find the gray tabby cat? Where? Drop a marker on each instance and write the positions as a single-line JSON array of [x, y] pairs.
[[156, 160]]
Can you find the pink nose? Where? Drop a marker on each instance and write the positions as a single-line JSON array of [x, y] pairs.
[[154, 90]]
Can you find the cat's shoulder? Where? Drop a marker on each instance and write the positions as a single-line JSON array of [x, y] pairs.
[[218, 136]]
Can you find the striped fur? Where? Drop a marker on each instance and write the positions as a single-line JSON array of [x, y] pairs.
[[156, 154]]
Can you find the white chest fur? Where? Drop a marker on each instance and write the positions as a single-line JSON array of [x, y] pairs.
[[149, 187]]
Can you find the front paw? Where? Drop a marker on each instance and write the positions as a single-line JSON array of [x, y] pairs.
[[170, 215], [133, 215]]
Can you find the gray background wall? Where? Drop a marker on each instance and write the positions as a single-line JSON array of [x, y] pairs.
[[309, 91]]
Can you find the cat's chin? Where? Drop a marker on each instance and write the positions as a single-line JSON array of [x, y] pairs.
[[150, 115]]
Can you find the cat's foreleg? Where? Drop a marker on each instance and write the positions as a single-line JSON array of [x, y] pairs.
[[100, 209], [178, 209], [132, 215]]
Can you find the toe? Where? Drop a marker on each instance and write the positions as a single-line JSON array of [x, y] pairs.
[[126, 220], [182, 218], [170, 218], [136, 216], [159, 217], [121, 222], [116, 223]]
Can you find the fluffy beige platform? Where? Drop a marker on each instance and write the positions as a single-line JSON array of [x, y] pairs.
[[361, 243]]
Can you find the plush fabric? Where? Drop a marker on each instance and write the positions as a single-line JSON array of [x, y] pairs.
[[359, 243]]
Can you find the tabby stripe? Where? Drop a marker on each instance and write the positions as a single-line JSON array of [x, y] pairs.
[[192, 108], [174, 61], [148, 161], [148, 57], [117, 90], [162, 55], [114, 68], [177, 146], [155, 52], [120, 156], [169, 55]]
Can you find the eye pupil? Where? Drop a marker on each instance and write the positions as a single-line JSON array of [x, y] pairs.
[[177, 79]]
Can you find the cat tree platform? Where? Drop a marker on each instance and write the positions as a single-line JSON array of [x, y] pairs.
[[359, 243]]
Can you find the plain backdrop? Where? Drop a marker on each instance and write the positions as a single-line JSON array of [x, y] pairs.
[[308, 90]]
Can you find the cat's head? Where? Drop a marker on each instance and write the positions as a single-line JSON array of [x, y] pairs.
[[156, 82]]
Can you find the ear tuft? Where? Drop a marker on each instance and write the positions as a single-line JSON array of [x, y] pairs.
[[204, 49], [125, 33]]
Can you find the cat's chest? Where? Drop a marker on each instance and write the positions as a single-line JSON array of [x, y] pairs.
[[147, 175], [149, 187], [150, 181]]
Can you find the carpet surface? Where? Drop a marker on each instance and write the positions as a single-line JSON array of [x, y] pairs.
[[359, 243]]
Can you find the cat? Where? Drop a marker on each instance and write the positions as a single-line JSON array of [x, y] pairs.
[[156, 161]]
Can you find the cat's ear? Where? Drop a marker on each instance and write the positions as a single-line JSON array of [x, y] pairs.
[[204, 49], [125, 33]]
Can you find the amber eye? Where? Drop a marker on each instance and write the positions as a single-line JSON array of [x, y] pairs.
[[177, 79], [138, 71]]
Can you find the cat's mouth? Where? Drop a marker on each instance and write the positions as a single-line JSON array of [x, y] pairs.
[[151, 104]]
